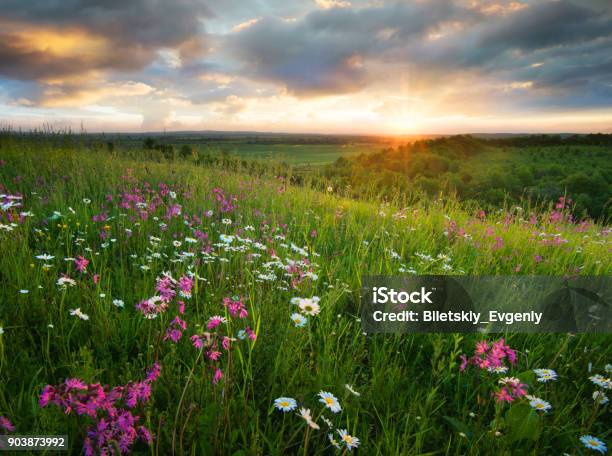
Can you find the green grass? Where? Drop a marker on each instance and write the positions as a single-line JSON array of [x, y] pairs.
[[414, 400], [294, 154]]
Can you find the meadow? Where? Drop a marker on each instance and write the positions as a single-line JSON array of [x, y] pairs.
[[162, 307]]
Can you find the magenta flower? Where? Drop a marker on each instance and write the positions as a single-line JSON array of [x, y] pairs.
[[175, 330], [489, 355], [165, 288], [6, 424], [185, 285], [503, 395], [236, 307], [217, 377], [81, 263], [110, 411], [250, 333], [215, 321]]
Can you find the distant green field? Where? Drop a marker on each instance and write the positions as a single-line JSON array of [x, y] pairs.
[[293, 154]]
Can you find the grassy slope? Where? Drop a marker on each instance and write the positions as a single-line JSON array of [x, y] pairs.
[[408, 383]]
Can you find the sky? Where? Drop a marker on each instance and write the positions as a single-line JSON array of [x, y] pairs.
[[326, 66]]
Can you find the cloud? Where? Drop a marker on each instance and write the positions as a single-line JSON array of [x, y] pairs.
[[327, 4], [63, 43], [233, 58], [345, 50]]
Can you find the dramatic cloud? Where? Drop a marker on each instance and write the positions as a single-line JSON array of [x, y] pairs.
[[384, 65]]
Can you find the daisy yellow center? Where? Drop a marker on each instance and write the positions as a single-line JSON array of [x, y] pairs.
[[593, 442], [307, 307], [284, 404], [347, 438], [329, 400], [539, 405]]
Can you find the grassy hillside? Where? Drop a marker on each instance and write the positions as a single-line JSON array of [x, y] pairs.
[[103, 233]]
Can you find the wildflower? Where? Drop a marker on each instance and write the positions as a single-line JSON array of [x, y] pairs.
[[330, 401], [545, 375], [151, 307], [175, 330], [489, 355], [601, 381], [298, 320], [185, 284], [214, 355], [236, 307], [350, 441], [153, 373], [225, 343], [608, 368], [333, 441], [593, 443], [165, 287], [118, 303], [1, 330], [45, 257], [64, 282], [114, 425], [540, 404], [226, 239], [86, 201], [285, 404], [24, 291], [250, 333], [6, 424], [77, 313], [215, 321], [305, 413], [600, 398], [503, 395], [217, 377], [309, 306], [81, 263], [350, 388], [226, 221]]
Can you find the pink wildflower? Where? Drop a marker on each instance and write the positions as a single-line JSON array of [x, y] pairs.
[[6, 424], [218, 376], [81, 263]]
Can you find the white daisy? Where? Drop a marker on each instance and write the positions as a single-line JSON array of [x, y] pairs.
[[600, 398], [545, 375], [350, 441], [285, 404], [77, 313], [309, 306], [540, 404], [593, 443], [298, 320], [330, 401]]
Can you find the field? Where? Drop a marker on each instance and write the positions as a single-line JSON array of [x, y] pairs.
[[293, 154], [221, 309]]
